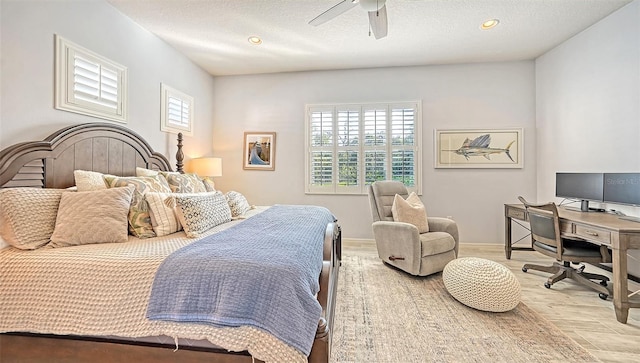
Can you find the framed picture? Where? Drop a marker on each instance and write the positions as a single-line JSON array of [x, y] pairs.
[[483, 148], [259, 151]]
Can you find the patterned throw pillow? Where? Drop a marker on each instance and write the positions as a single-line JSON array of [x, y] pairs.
[[209, 185], [98, 216], [184, 183], [139, 218], [410, 211], [237, 203], [28, 216], [163, 215], [201, 212]]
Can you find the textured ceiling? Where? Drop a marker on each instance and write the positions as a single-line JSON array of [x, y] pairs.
[[213, 33]]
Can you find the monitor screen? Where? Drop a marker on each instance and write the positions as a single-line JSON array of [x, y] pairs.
[[622, 188], [583, 186]]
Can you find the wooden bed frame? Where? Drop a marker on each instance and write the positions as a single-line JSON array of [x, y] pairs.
[[114, 149]]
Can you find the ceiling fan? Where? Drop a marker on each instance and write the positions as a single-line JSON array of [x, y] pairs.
[[377, 14]]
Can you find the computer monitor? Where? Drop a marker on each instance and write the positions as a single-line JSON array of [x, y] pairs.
[[583, 186], [622, 188]]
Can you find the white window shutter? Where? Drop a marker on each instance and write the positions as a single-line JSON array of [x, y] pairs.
[[88, 83], [351, 146]]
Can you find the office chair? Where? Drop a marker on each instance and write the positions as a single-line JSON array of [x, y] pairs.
[[546, 239]]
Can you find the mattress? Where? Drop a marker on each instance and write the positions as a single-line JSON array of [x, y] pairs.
[[103, 290]]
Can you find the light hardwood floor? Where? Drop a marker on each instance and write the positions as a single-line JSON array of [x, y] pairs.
[[576, 310]]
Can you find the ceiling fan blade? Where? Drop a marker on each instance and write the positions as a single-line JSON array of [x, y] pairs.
[[334, 11], [378, 22]]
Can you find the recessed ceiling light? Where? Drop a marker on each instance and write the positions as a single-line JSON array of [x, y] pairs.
[[489, 24], [255, 40]]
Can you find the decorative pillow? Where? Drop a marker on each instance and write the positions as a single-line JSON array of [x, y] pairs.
[[3, 244], [28, 216], [201, 212], [410, 211], [184, 183], [89, 180], [139, 218], [163, 214], [209, 185], [98, 216], [237, 203], [146, 172]]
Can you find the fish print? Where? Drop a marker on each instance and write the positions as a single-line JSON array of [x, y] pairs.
[[480, 147]]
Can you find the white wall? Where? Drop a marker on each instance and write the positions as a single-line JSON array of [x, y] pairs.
[[588, 101], [27, 83], [588, 104], [497, 95]]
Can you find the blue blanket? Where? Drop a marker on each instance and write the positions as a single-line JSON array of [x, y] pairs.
[[262, 272]]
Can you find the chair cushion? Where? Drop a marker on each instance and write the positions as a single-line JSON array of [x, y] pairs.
[[482, 284], [573, 249], [410, 211], [434, 243]]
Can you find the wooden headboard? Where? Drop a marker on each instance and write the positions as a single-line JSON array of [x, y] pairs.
[[102, 147]]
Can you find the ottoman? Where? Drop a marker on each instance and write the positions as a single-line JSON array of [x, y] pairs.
[[482, 284]]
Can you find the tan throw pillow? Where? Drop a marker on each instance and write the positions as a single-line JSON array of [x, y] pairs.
[[139, 218], [28, 216], [163, 214], [184, 183], [98, 216], [411, 211], [89, 180], [201, 212]]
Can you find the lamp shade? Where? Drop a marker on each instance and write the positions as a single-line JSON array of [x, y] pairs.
[[207, 166]]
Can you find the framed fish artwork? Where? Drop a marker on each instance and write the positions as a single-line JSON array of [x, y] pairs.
[[483, 148], [259, 151]]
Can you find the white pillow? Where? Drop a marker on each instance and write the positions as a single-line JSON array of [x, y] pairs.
[[163, 213], [411, 211], [89, 180], [3, 244], [145, 172]]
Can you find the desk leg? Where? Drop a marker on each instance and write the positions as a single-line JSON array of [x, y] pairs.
[[507, 237], [620, 285]]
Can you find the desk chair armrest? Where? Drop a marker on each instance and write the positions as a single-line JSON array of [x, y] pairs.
[[398, 240], [438, 224]]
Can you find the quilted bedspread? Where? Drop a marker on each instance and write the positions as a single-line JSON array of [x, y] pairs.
[[103, 290]]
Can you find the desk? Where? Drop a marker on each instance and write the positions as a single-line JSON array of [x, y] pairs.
[[600, 228]]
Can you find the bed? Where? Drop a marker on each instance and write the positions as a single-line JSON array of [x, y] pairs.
[[94, 311]]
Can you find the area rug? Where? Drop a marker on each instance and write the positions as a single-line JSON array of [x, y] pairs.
[[385, 315]]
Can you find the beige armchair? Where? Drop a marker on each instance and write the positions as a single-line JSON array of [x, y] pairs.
[[400, 245]]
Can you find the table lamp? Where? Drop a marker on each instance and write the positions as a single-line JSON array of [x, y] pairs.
[[207, 168]]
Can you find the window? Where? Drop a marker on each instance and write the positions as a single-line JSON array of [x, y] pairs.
[[351, 146], [89, 84], [177, 111]]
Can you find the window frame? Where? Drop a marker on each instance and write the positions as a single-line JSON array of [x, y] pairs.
[[67, 99], [362, 149], [166, 93]]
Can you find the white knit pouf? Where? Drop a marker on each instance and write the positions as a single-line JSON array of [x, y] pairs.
[[482, 284]]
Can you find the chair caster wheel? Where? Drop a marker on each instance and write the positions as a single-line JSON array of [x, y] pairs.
[[547, 285], [603, 296], [603, 283], [524, 269]]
